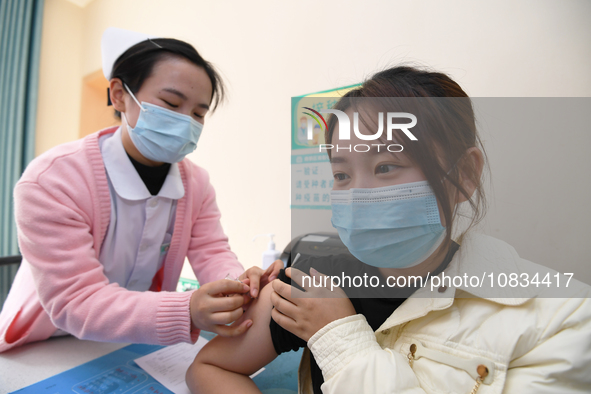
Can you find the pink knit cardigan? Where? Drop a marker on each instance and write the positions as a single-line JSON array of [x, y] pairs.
[[63, 206]]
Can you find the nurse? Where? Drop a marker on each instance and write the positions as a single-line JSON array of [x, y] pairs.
[[105, 222]]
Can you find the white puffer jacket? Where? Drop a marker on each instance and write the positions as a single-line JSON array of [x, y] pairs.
[[528, 342]]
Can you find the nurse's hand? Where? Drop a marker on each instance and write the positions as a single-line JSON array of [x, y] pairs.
[[304, 313], [218, 303], [257, 278]]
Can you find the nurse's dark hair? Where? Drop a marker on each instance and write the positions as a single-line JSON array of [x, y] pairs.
[[445, 130], [135, 65]]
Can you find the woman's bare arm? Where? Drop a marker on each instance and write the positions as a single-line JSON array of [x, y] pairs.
[[225, 363]]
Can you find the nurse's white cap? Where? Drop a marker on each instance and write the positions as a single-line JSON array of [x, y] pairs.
[[115, 42]]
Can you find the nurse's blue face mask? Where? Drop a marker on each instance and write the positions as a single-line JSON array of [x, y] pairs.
[[388, 227], [163, 135]]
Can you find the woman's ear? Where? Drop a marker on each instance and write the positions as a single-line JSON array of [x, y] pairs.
[[470, 168], [117, 94]]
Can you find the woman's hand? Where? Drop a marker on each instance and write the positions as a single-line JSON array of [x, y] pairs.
[[218, 303], [304, 313], [257, 279]]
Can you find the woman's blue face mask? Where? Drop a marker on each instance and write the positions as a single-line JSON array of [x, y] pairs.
[[388, 227], [163, 135]]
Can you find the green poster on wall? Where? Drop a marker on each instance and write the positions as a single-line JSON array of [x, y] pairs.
[[311, 175]]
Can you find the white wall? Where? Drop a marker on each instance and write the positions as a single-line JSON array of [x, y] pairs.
[[269, 51]]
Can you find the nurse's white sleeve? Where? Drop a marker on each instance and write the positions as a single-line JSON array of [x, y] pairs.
[[352, 361]]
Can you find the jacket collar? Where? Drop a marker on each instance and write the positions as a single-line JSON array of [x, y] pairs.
[[478, 256]]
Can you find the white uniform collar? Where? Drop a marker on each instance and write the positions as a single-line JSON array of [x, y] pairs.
[[125, 179]]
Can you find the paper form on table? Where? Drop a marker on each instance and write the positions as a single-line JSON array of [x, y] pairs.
[[169, 365]]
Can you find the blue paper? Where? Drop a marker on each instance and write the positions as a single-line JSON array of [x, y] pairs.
[[114, 373], [117, 373]]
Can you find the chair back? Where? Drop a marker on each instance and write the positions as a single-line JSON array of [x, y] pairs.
[[8, 268]]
